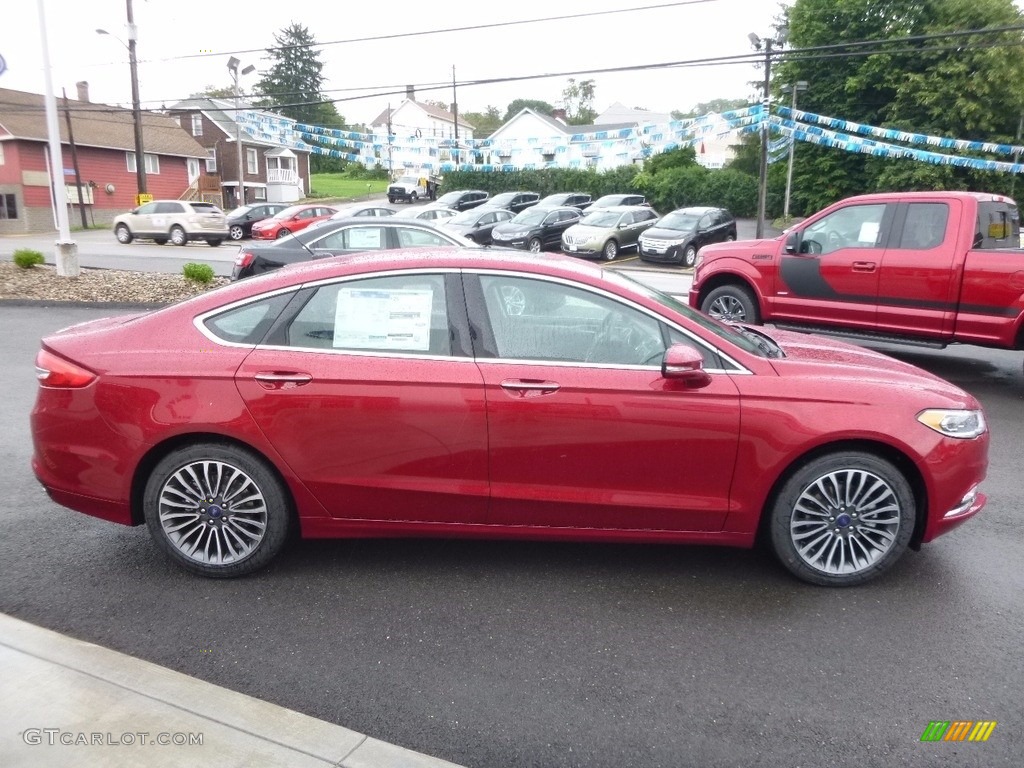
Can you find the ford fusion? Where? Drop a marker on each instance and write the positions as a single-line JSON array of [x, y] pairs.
[[470, 393]]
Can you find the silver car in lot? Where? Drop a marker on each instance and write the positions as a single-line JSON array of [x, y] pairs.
[[175, 221], [608, 231]]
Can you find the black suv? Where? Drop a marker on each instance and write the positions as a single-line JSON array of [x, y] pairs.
[[536, 229], [677, 237], [462, 200], [512, 201], [579, 200], [611, 201]]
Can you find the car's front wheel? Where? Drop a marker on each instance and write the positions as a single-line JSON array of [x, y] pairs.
[[610, 250], [689, 255], [413, 197], [731, 303], [535, 245], [178, 236], [282, 232], [216, 509], [842, 519], [123, 234]]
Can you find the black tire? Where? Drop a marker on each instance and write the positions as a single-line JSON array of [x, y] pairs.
[[732, 303], [160, 240], [199, 537], [413, 197], [282, 232], [689, 255], [214, 243], [391, 200], [853, 514], [178, 236], [236, 232], [610, 250], [536, 245], [123, 234]]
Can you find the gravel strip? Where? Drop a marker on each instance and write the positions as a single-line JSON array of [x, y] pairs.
[[102, 286]]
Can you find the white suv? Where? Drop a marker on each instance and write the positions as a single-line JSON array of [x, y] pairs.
[[174, 220]]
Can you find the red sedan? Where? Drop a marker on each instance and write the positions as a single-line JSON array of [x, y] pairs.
[[477, 394], [293, 219]]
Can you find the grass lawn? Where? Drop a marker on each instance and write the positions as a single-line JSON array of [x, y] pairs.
[[340, 185]]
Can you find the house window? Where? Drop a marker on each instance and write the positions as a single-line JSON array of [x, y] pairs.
[[8, 207], [211, 160], [251, 161], [259, 193], [1, 153], [197, 125], [152, 163]]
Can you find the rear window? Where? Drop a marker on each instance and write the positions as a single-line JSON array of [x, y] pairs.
[[998, 225]]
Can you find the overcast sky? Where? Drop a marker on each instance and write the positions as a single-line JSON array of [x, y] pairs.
[[210, 31]]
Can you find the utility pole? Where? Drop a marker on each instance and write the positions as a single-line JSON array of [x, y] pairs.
[[140, 156], [391, 162], [762, 179], [800, 85], [233, 68], [74, 159], [455, 114]]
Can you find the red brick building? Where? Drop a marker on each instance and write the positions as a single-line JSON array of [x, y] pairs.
[[105, 144]]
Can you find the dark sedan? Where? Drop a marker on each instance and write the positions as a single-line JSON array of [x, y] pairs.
[[339, 237], [241, 219], [517, 202], [478, 223], [536, 229], [677, 237], [462, 200], [612, 201]]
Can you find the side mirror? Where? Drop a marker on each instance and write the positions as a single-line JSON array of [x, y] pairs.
[[685, 364], [793, 242]]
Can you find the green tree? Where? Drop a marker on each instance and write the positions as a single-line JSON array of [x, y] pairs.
[[715, 105], [578, 98], [517, 106], [485, 123], [966, 88]]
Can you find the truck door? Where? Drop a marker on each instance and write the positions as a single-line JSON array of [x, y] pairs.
[[832, 276]]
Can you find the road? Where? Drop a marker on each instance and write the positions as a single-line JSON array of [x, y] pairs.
[[543, 654]]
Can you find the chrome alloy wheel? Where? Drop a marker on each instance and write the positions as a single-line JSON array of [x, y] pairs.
[[729, 309], [845, 521], [212, 512]]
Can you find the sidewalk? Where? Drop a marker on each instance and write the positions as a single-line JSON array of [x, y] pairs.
[[68, 702]]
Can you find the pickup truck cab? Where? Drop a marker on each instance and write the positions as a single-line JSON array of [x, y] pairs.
[[926, 268]]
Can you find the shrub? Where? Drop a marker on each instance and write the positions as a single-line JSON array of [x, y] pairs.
[[198, 273], [26, 258]]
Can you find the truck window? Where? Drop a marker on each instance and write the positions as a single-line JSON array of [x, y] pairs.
[[998, 225], [925, 226], [856, 226]]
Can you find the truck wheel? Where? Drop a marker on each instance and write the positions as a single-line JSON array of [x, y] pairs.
[[391, 200], [412, 197], [842, 519], [731, 303]]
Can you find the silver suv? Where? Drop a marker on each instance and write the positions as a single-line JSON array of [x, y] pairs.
[[175, 220]]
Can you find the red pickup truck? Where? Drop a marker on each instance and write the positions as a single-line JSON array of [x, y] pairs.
[[926, 268]]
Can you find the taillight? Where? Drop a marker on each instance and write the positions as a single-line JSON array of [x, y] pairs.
[[243, 259], [58, 373]]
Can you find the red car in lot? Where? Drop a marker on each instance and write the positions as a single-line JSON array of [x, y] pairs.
[[474, 393], [290, 220]]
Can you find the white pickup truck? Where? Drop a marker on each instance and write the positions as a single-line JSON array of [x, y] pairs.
[[409, 187]]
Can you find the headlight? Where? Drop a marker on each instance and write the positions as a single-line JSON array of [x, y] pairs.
[[954, 423]]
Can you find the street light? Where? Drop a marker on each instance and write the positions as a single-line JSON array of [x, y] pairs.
[[762, 182], [800, 85], [233, 64], [140, 157]]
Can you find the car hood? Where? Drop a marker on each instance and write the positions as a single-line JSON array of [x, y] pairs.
[[664, 233], [585, 230], [513, 229], [740, 248], [822, 358]]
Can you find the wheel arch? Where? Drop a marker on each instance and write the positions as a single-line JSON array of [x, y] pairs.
[[161, 450], [893, 455], [729, 278]]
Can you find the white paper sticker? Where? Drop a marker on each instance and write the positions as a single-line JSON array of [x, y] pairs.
[[868, 233], [368, 318]]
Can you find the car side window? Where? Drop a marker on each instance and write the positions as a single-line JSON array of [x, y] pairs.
[[404, 314], [146, 209], [358, 238], [855, 226], [409, 237], [247, 324], [925, 225], [544, 321], [168, 208]]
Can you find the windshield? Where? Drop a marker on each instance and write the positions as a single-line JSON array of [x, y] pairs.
[[287, 213], [529, 216], [601, 219], [502, 199], [679, 220], [451, 197], [467, 217], [717, 327], [608, 201], [553, 200], [408, 180], [240, 211]]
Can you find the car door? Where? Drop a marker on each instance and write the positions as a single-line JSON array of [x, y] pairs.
[[140, 220], [555, 223], [584, 430], [917, 292], [832, 273], [369, 397]]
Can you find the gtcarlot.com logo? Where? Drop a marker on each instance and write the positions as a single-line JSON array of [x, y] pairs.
[[57, 737], [958, 730]]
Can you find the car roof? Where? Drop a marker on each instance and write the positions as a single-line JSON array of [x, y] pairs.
[[699, 209], [621, 209], [570, 208]]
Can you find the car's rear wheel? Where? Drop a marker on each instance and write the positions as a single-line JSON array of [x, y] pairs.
[[282, 232], [842, 519], [236, 232], [689, 255], [217, 510], [610, 250], [214, 243], [731, 303], [178, 236], [123, 234], [535, 245]]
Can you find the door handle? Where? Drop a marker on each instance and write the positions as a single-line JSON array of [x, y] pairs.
[[282, 379], [529, 387], [864, 266]]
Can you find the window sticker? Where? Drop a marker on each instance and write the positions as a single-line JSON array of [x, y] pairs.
[[868, 232], [365, 237], [367, 318]]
